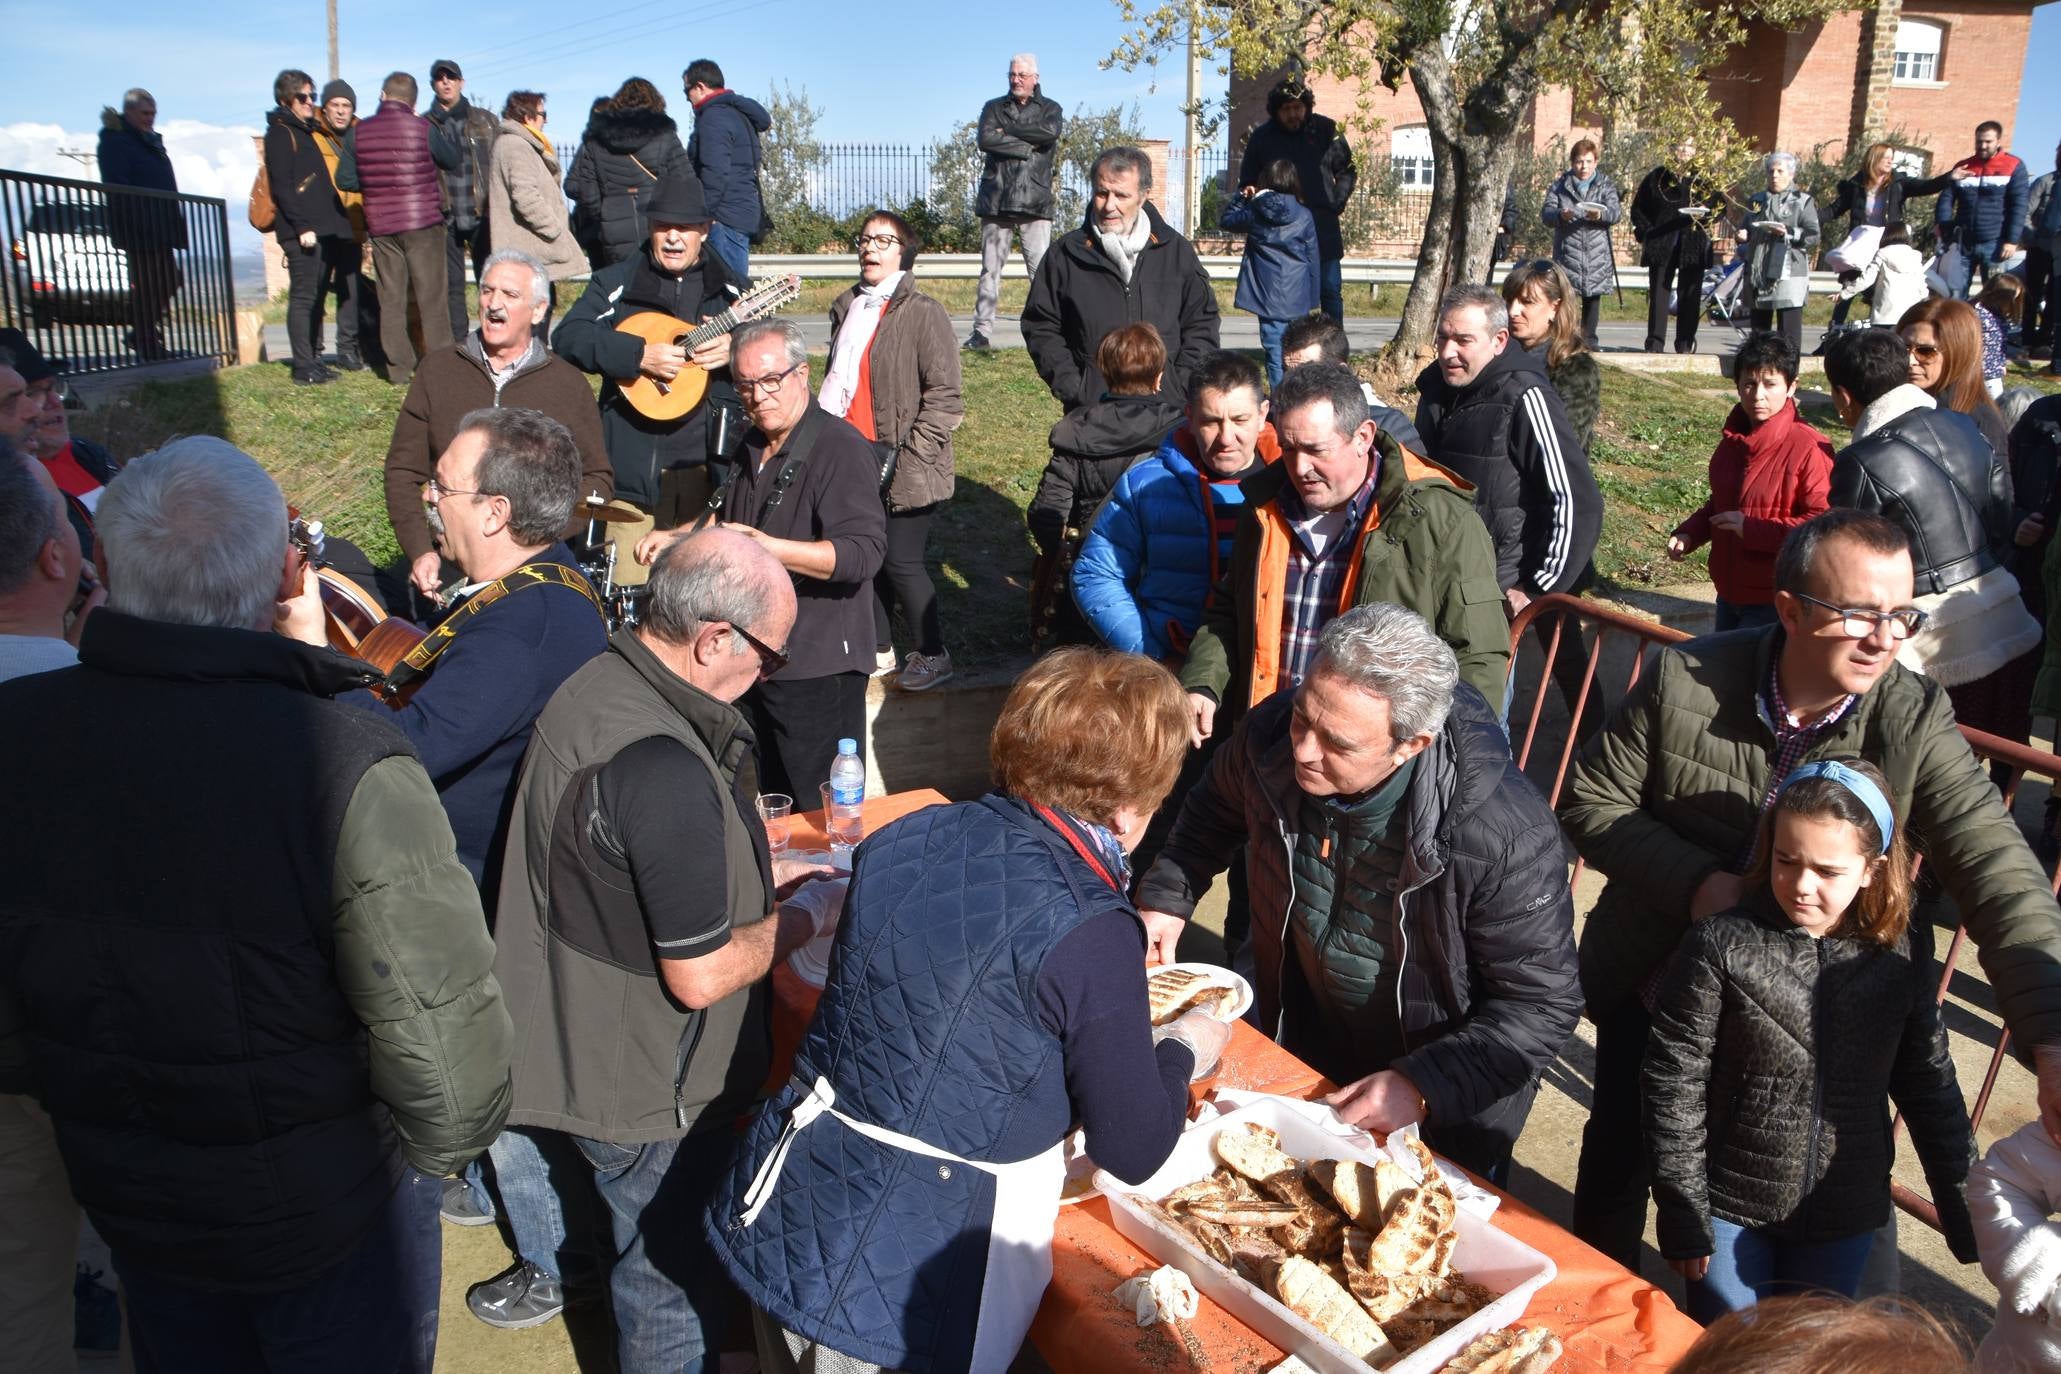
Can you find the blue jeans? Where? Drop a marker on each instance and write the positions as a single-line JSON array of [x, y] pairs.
[[1331, 288], [548, 1203], [1962, 278], [1270, 340], [1749, 1265], [666, 1286], [733, 247], [376, 1309], [1732, 616]]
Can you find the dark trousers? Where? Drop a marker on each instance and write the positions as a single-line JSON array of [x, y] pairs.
[[1611, 1182], [375, 1309], [304, 270], [1592, 311], [2040, 283], [904, 578], [458, 244], [343, 274], [154, 278], [1686, 281], [1788, 321], [410, 264], [799, 722]]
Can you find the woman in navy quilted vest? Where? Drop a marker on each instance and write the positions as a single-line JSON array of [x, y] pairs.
[[892, 1206]]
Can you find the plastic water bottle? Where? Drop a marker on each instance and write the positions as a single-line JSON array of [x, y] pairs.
[[847, 793]]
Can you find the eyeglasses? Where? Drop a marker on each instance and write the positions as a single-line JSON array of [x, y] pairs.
[[1926, 351], [304, 98], [768, 385], [771, 660], [1856, 623], [44, 392], [436, 490], [865, 241]]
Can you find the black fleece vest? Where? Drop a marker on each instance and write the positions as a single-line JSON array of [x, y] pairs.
[[166, 933]]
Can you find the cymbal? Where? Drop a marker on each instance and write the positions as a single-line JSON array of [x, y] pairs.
[[607, 515]]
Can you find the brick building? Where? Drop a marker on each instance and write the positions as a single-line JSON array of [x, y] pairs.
[[1931, 68]]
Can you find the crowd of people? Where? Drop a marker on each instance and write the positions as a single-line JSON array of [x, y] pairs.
[[489, 936]]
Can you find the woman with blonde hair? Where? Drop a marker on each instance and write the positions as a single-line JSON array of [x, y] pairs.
[[1945, 339], [1874, 196], [892, 1207], [1544, 317]]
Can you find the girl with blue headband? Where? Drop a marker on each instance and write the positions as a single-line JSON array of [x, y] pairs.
[[1781, 1033]]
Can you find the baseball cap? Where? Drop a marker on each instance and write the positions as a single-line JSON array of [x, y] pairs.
[[443, 65]]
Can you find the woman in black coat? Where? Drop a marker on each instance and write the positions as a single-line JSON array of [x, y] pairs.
[[309, 218], [1875, 195], [1671, 215], [630, 145]]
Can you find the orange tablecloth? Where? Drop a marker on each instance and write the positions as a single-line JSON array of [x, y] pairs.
[[1610, 1319]]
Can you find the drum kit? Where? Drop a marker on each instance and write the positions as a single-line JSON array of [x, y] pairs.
[[596, 555]]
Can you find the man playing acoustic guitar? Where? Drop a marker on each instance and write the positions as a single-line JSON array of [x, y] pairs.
[[661, 466]]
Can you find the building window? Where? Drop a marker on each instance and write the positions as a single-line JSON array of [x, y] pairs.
[[1917, 51], [1409, 152]]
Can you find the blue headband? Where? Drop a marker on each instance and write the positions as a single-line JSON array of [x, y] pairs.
[[1857, 783]]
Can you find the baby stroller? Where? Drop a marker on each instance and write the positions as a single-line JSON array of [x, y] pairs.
[[1724, 291]]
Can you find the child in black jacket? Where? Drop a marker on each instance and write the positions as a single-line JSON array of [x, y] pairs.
[[1779, 1033]]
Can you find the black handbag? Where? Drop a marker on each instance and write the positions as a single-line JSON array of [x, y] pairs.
[[887, 453]]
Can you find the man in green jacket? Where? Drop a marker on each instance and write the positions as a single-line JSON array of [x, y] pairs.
[[1347, 517], [1665, 802]]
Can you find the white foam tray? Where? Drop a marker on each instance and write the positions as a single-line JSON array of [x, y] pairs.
[[1486, 1256]]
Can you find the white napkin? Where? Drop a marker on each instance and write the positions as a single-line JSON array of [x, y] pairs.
[[1164, 1295]]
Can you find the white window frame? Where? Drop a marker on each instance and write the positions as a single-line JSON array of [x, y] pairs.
[[1409, 153], [1919, 44]]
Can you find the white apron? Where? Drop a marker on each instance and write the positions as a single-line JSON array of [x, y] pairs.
[[1019, 1264]]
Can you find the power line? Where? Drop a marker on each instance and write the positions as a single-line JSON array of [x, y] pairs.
[[581, 47]]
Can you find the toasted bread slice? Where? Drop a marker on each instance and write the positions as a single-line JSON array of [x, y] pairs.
[[1353, 1186], [1202, 1192], [1264, 1215], [1514, 1350], [1310, 1293], [1210, 1238], [1254, 1152], [1408, 1242], [1169, 991], [1390, 1181]]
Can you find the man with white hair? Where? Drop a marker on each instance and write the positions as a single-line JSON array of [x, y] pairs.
[[148, 229], [290, 1029], [501, 363], [1412, 928], [1126, 264], [1019, 133]]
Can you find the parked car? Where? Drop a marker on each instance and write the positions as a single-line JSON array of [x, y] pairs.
[[68, 268]]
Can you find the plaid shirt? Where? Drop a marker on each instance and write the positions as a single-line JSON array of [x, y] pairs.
[[1315, 583], [1792, 741]]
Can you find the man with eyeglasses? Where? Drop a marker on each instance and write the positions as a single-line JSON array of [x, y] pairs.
[[806, 489], [1665, 801], [36, 422], [662, 467], [640, 915]]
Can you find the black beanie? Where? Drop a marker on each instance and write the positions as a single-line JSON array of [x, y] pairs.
[[339, 88], [1291, 89]]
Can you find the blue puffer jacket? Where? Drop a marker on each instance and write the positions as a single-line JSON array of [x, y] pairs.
[[724, 149], [1988, 206], [1280, 278], [930, 1026], [1144, 569]]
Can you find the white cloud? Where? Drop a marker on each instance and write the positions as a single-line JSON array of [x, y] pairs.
[[209, 160]]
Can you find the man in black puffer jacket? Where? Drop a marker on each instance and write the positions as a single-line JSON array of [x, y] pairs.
[[1324, 163], [1412, 928]]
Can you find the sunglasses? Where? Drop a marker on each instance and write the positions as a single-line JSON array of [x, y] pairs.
[[304, 98], [771, 660], [1926, 351]]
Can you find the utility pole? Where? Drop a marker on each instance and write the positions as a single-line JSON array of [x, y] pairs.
[[1191, 192], [335, 68]]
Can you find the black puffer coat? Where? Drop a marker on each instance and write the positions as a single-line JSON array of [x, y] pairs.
[[1766, 1081], [1934, 475], [623, 156], [1091, 448]]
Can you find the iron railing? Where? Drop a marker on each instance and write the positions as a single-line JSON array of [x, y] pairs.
[[1607, 628], [104, 278]]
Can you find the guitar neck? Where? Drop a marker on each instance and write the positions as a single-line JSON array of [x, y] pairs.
[[759, 301], [714, 327]]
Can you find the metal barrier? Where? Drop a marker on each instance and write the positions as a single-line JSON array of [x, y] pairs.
[[103, 278], [1614, 627]]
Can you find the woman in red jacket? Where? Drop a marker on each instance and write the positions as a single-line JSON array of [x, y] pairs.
[[1769, 473]]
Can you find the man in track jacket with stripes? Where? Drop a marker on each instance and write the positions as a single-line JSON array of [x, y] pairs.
[[1489, 414], [1983, 212]]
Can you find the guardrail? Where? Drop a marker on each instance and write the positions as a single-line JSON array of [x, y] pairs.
[[105, 278], [1609, 627]]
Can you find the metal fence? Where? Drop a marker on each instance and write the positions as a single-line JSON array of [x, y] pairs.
[[106, 278]]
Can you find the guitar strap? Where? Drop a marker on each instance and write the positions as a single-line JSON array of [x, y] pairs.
[[420, 659]]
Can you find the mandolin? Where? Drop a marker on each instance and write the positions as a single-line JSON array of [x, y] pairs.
[[354, 622], [656, 400]]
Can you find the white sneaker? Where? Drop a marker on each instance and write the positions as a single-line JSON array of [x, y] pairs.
[[884, 662], [922, 673]]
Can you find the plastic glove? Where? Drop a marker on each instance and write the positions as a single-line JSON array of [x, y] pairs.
[[1203, 1034], [2031, 1270], [823, 900]]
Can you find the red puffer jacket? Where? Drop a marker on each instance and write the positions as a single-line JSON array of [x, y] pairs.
[[1777, 476], [396, 171]]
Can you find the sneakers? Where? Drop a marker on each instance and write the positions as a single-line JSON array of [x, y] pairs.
[[923, 672], [523, 1297], [459, 1207], [979, 343], [313, 376]]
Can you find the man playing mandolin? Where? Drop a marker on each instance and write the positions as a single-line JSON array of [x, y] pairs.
[[661, 466]]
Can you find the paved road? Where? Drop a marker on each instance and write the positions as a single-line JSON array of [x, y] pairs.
[[1238, 331]]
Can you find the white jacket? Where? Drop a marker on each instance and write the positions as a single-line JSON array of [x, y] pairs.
[[1898, 276], [2012, 1193]]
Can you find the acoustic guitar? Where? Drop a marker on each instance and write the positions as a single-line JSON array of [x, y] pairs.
[[354, 623], [657, 400]]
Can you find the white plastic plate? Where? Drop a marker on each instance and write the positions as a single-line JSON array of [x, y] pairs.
[[1218, 976]]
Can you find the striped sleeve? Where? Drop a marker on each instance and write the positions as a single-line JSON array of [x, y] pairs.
[[1552, 552]]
